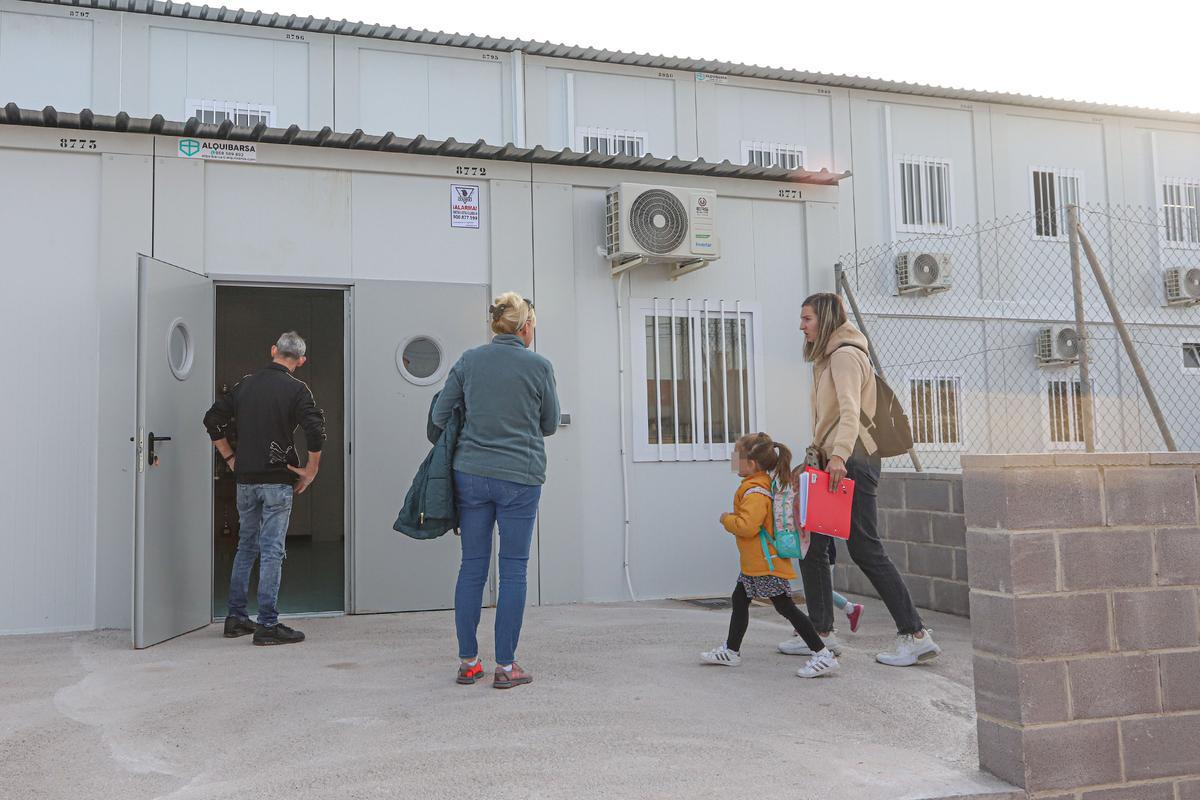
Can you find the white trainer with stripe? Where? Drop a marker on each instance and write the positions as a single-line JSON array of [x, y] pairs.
[[822, 663], [723, 656]]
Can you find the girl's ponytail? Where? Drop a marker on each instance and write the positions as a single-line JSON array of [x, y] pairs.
[[783, 467]]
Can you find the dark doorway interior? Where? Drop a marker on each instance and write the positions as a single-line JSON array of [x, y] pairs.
[[249, 320]]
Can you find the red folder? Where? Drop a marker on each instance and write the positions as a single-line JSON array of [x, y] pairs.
[[823, 511]]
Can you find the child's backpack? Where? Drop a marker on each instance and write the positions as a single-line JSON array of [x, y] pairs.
[[890, 428], [789, 541]]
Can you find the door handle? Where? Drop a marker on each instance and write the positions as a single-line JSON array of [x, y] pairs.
[[152, 459]]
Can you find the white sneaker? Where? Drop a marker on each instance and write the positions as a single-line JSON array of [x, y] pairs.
[[910, 650], [721, 655], [820, 664], [795, 646]]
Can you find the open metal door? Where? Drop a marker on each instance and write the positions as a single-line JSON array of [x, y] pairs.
[[392, 395], [173, 538]]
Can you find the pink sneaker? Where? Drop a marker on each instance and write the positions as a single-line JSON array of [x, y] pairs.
[[854, 614]]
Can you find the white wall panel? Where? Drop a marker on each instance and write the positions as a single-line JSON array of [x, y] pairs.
[[763, 261], [393, 92], [623, 102], [45, 61], [788, 117], [276, 221], [1023, 142], [49, 323], [1178, 153], [187, 65], [415, 94], [125, 231], [401, 231]]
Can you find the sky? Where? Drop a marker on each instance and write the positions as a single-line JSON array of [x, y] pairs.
[[1131, 53]]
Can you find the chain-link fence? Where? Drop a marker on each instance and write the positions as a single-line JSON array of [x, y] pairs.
[[975, 330]]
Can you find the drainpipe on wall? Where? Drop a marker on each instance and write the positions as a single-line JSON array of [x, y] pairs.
[[624, 427], [518, 93]]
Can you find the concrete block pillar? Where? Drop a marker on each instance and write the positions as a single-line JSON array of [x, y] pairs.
[[1084, 587]]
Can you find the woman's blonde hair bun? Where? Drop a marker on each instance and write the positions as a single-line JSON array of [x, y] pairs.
[[509, 312]]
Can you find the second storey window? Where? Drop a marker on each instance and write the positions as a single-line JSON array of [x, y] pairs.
[[243, 115], [1191, 356], [1181, 211], [772, 154], [611, 142], [935, 410], [924, 198], [1053, 191]]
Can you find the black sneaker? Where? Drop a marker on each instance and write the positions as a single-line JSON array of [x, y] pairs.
[[239, 626], [277, 634]]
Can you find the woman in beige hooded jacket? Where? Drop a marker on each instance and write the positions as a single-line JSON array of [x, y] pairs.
[[843, 395]]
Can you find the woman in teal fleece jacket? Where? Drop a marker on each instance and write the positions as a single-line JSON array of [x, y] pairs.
[[511, 404]]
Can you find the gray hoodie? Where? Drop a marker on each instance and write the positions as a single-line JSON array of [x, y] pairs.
[[511, 402]]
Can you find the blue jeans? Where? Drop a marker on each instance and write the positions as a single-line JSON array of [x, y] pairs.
[[264, 510], [482, 503]]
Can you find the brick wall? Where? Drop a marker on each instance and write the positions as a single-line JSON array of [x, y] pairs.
[[1085, 571], [921, 524]]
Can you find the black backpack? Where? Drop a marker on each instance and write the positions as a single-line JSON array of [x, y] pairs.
[[890, 428]]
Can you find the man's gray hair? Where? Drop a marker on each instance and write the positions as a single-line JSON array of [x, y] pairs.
[[290, 345]]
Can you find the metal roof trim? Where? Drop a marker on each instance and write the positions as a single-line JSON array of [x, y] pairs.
[[50, 117], [551, 49]]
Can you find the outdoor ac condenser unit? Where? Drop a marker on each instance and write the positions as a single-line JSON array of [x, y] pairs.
[[661, 224], [922, 273], [1181, 286], [1057, 346]]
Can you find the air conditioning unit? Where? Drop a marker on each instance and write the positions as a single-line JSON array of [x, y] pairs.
[[1057, 346], [661, 225], [922, 273], [1181, 286]]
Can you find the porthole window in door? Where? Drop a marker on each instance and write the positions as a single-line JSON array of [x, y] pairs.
[[419, 360], [181, 351]]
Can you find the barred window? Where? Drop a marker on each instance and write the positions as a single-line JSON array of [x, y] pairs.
[[1181, 211], [1191, 356], [772, 154], [243, 115], [1054, 190], [611, 142], [698, 359], [934, 406], [1064, 407], [924, 196]]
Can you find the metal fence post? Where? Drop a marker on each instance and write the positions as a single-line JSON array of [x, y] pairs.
[[844, 288], [1138, 370], [1085, 377]]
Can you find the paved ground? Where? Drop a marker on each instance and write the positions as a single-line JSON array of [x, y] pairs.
[[367, 708]]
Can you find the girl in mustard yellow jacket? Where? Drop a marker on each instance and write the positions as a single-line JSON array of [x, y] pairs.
[[754, 457]]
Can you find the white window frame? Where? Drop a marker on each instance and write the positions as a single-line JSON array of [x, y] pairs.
[[1186, 222], [924, 198], [1062, 179], [1190, 344], [701, 312], [230, 108], [776, 151], [936, 446], [614, 137], [1077, 422]]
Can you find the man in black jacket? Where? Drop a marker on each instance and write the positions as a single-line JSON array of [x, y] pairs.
[[267, 406]]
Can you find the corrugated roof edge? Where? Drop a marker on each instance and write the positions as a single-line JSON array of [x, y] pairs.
[[49, 117], [550, 49]]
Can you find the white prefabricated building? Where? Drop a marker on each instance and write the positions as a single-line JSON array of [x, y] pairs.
[[143, 275]]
